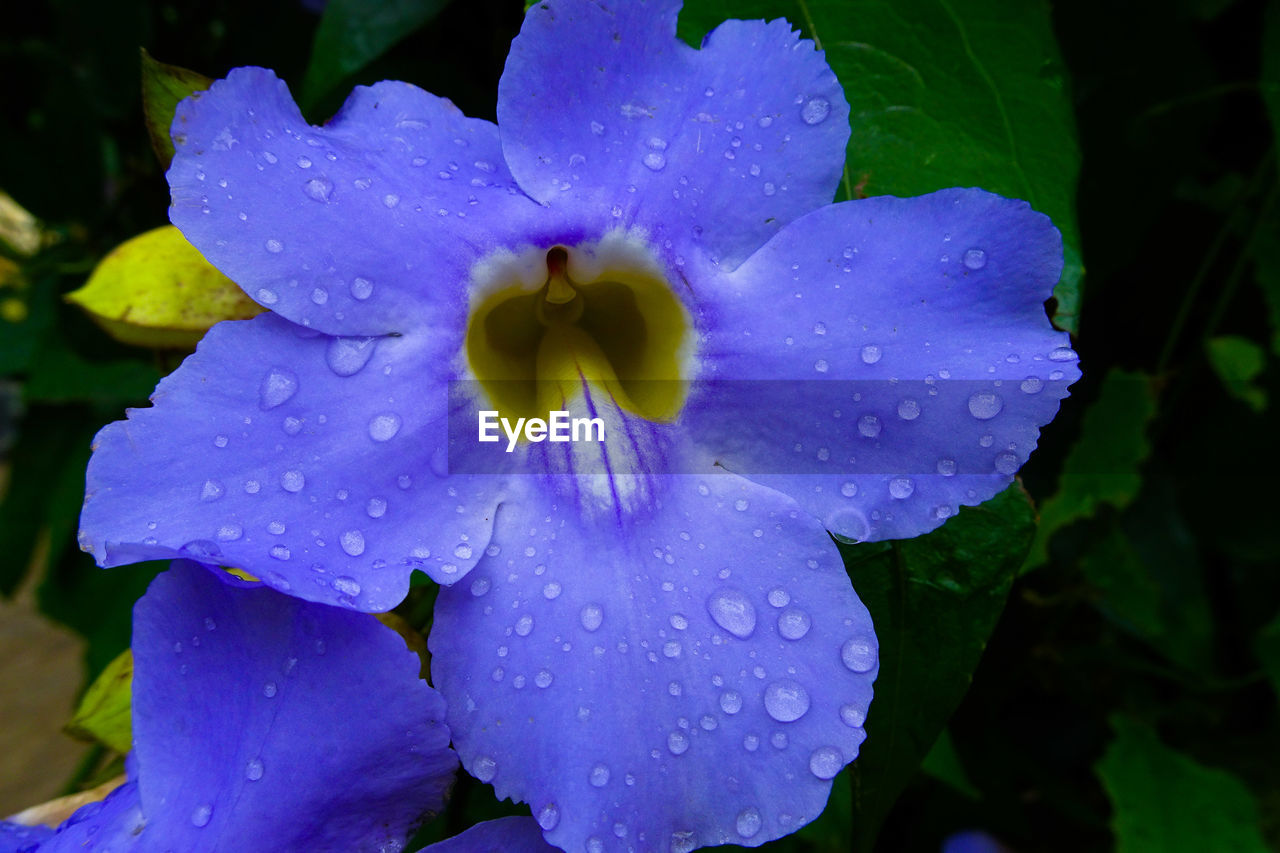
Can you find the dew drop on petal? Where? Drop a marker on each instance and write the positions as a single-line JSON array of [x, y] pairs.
[[275, 247], [947, 467], [852, 716], [292, 481], [212, 490], [318, 189], [348, 356], [361, 288], [793, 623], [592, 616], [975, 259], [821, 365], [901, 488], [654, 161], [200, 817], [779, 597], [1063, 354], [985, 405], [599, 776], [908, 410], [869, 426], [871, 353], [352, 542], [859, 654], [346, 585], [253, 770], [677, 743], [524, 625], [384, 427], [278, 386], [731, 701], [1007, 462], [1031, 385], [815, 111], [548, 815], [748, 822], [485, 768], [786, 701], [826, 762], [733, 612], [376, 508]]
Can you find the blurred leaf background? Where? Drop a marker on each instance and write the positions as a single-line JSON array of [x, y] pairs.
[[1090, 662]]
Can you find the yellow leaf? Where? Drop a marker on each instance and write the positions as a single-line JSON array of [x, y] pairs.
[[157, 291], [104, 712]]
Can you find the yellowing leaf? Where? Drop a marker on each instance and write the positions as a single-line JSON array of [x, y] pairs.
[[157, 291], [163, 87], [103, 714]]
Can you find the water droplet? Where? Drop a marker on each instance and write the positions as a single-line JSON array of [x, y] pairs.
[[733, 612], [253, 770], [826, 762], [548, 815], [597, 128], [318, 189], [947, 467], [768, 188], [599, 776], [786, 700], [679, 621], [731, 701], [901, 488], [551, 591], [683, 842], [524, 625], [793, 623], [871, 354], [748, 822], [212, 490], [654, 161], [779, 740], [274, 246], [852, 716], [278, 386], [1007, 462], [859, 653], [815, 111], [821, 365], [348, 356], [975, 259], [292, 481], [279, 552], [544, 678], [592, 616], [384, 427], [985, 405], [779, 597], [740, 505], [908, 410], [485, 768], [361, 288], [671, 649], [219, 441], [1063, 354], [677, 743], [391, 199], [1031, 385], [230, 532], [347, 586], [200, 817], [869, 426], [352, 542]]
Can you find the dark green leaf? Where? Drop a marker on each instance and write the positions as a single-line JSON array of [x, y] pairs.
[[935, 601], [948, 93], [1103, 465], [353, 33], [943, 764], [1238, 361], [163, 87], [1164, 802]]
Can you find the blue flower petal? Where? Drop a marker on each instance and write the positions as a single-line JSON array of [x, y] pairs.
[[18, 838], [693, 677], [306, 460], [504, 835], [365, 226], [603, 108], [902, 354], [260, 720]]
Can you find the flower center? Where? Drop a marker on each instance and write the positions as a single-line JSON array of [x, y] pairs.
[[553, 326]]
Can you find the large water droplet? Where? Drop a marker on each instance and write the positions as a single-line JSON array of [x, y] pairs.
[[821, 365], [384, 427], [275, 247], [859, 653], [947, 467], [1031, 385], [748, 822], [869, 426], [346, 585], [975, 259], [484, 768], [654, 161], [779, 597], [826, 762], [599, 776], [731, 701], [200, 817], [253, 770], [852, 716], [292, 481], [985, 405], [212, 490], [318, 189], [908, 410], [1007, 462], [1063, 354], [524, 625], [871, 353], [683, 842], [815, 111], [277, 387], [548, 816], [348, 356], [733, 612], [786, 700], [591, 616], [901, 487], [361, 288], [678, 743], [352, 542], [793, 623]]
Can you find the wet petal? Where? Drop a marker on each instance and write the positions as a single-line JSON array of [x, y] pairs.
[[714, 148], [694, 677], [17, 838], [314, 463], [364, 226], [901, 349], [259, 716], [114, 823], [504, 835]]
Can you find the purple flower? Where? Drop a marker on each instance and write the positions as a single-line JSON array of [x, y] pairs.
[[260, 719], [651, 638]]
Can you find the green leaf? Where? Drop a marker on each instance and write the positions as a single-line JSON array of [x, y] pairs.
[[156, 290], [163, 87], [1238, 361], [943, 764], [934, 601], [104, 712], [944, 93], [353, 33], [1164, 802], [1103, 465]]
